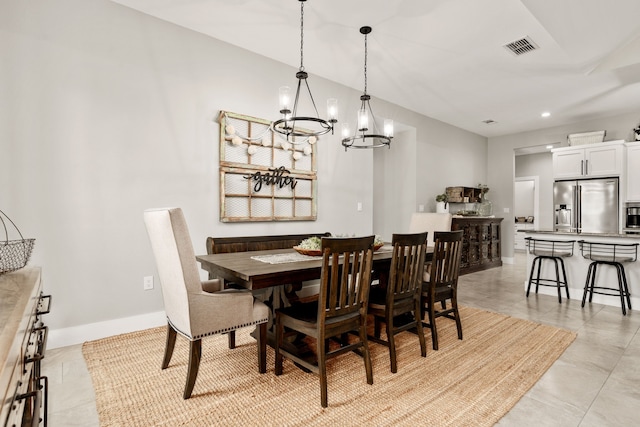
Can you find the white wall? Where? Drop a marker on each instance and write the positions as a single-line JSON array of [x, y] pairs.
[[106, 112], [500, 169], [540, 165], [524, 198]]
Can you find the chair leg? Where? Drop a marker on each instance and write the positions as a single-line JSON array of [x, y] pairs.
[[392, 342], [626, 287], [322, 371], [232, 339], [365, 346], [420, 330], [538, 275], [456, 314], [586, 284], [533, 267], [262, 347], [279, 337], [169, 346], [558, 286], [564, 274], [621, 287], [593, 280], [432, 322], [195, 354]]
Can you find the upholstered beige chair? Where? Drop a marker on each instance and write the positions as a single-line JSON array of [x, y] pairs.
[[429, 222], [196, 309]]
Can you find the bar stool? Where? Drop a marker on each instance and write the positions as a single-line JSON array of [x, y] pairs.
[[552, 250], [614, 254]]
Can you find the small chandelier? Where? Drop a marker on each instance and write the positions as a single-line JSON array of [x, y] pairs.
[[366, 120], [287, 124]]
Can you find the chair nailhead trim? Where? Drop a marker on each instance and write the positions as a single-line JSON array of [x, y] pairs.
[[219, 331]]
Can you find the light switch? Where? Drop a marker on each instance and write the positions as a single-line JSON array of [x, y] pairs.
[[359, 206], [506, 210]]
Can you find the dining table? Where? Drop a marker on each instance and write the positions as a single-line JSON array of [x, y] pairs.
[[267, 273]]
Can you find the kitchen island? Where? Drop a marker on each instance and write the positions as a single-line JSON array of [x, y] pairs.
[[577, 267]]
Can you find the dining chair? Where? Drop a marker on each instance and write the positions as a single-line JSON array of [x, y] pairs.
[[441, 286], [341, 309], [430, 222], [398, 303], [196, 309]]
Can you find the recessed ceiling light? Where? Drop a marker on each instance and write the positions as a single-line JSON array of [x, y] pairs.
[[545, 114], [549, 147]]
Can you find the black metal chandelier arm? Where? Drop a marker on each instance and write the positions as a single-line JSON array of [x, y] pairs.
[[366, 141], [286, 125], [366, 120]]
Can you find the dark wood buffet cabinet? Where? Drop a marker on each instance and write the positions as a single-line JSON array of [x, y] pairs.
[[481, 248]]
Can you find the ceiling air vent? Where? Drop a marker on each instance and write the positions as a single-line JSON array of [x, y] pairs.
[[521, 46]]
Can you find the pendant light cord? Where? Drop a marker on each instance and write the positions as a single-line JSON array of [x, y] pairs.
[[301, 35], [365, 64]]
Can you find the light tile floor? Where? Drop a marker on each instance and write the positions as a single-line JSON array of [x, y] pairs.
[[596, 382]]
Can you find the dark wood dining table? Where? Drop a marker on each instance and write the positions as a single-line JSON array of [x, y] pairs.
[[243, 269], [267, 280]]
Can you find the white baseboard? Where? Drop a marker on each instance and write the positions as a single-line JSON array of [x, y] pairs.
[[94, 331], [508, 260]]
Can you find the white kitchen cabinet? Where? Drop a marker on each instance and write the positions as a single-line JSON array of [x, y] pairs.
[[601, 159], [633, 172], [519, 234]]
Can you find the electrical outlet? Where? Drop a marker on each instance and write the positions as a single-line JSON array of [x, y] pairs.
[[420, 208], [148, 283]]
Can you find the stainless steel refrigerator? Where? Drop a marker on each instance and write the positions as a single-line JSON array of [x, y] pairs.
[[586, 205]]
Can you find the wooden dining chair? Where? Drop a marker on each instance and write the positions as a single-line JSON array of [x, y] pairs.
[[441, 285], [341, 308], [398, 303], [196, 309]]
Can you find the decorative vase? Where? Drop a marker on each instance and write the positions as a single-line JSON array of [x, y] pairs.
[[636, 131], [442, 207], [485, 208]]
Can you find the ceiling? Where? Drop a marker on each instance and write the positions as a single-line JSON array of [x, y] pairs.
[[446, 58]]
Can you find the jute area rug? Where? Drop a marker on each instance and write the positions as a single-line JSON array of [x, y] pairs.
[[472, 382]]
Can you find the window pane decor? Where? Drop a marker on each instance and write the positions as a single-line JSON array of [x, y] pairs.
[[262, 176]]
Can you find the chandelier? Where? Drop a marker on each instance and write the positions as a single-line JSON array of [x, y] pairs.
[[366, 121], [313, 126]]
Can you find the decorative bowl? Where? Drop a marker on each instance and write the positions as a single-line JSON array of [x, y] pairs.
[[377, 247], [310, 252]]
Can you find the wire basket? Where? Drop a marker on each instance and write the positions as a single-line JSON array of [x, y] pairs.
[[14, 254]]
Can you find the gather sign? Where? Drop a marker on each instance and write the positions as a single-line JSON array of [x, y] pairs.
[[275, 176]]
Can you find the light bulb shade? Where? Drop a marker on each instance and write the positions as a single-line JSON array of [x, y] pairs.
[[346, 131], [332, 110], [388, 128], [363, 120], [285, 99]]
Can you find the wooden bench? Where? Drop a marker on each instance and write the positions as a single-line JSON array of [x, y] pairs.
[[223, 245]]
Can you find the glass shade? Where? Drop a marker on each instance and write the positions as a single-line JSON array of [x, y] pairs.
[[346, 131], [332, 109], [285, 99], [363, 120], [388, 128]]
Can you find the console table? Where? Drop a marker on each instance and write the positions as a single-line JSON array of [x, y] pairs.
[[481, 247], [22, 345]]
